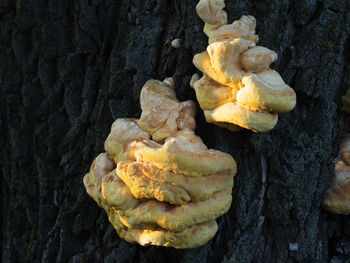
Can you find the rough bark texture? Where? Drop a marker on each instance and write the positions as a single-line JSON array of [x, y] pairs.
[[69, 68]]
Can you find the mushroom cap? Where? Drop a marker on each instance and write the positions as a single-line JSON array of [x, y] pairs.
[[151, 214], [221, 62], [249, 21], [257, 59], [191, 237], [225, 59], [211, 12], [337, 198], [159, 109], [145, 180], [242, 28], [241, 116], [202, 62], [162, 114], [169, 82], [211, 94], [195, 77], [123, 131], [266, 91], [176, 43], [112, 192], [184, 153]]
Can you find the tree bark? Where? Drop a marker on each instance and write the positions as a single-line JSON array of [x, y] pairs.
[[69, 68]]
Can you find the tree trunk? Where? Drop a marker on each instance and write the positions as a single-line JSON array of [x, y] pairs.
[[69, 68]]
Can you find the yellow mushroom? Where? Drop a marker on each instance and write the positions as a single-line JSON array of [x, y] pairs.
[[238, 87], [211, 94], [110, 192], [266, 91], [184, 153], [257, 59], [337, 198], [158, 182], [221, 62], [235, 114], [195, 77], [212, 13], [242, 28], [145, 180], [123, 131], [176, 43], [159, 109]]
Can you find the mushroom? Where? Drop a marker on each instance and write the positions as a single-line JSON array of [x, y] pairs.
[[145, 180], [112, 193], [157, 181], [152, 214], [241, 116], [123, 131], [221, 62], [238, 88], [211, 94], [191, 237], [195, 77], [266, 91], [212, 13], [257, 59], [176, 43], [242, 28], [162, 114], [337, 198], [184, 153]]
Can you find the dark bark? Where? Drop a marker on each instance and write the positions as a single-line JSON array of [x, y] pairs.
[[69, 68]]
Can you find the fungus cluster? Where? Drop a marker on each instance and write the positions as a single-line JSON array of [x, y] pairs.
[[238, 89], [345, 99], [159, 184], [337, 198]]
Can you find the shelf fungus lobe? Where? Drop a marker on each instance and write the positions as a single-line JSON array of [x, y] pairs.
[[238, 88], [159, 184], [337, 198]]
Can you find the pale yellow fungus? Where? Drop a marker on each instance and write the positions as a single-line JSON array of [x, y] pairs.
[[158, 182], [337, 198], [238, 87]]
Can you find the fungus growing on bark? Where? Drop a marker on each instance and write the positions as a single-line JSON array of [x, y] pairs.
[[176, 43], [162, 114], [212, 13], [194, 79], [164, 191], [337, 198], [238, 88]]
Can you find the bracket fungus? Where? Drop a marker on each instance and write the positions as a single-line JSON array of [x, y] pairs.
[[337, 198], [176, 43], [238, 88], [157, 181]]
